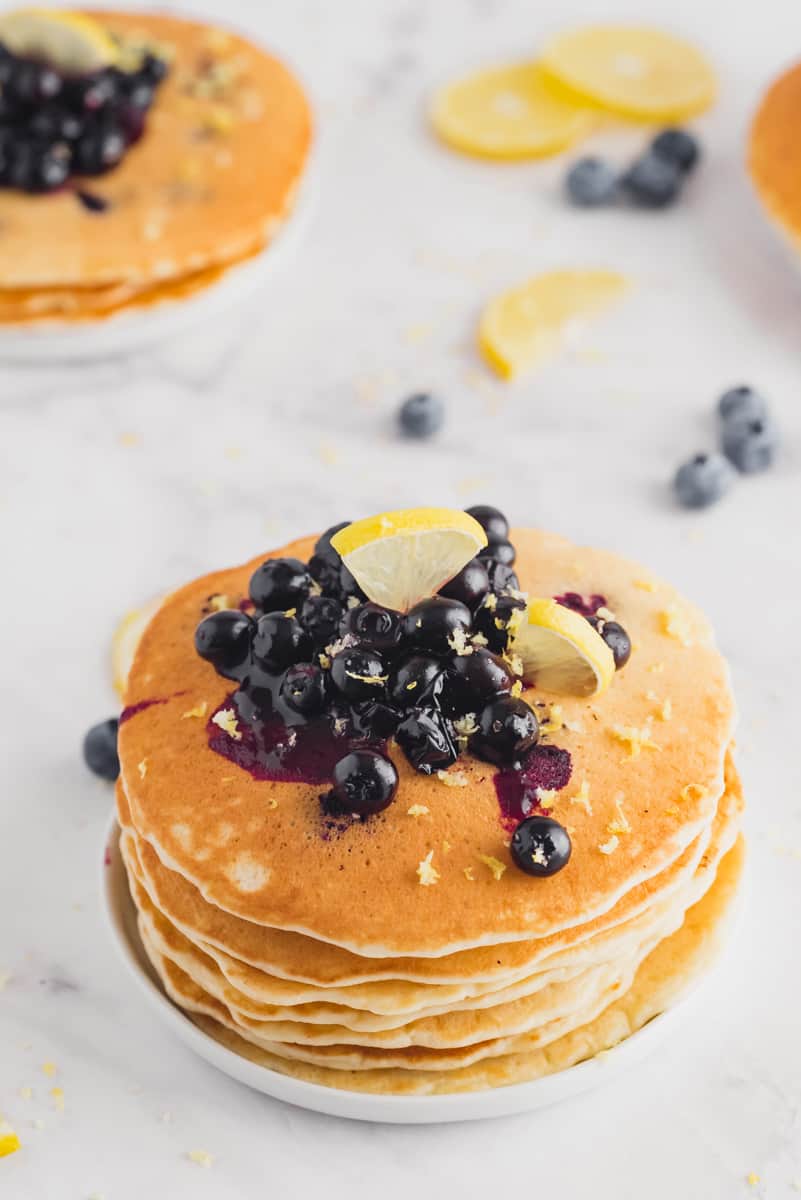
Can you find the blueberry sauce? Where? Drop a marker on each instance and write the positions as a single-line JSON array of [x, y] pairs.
[[547, 768], [133, 709], [586, 605]]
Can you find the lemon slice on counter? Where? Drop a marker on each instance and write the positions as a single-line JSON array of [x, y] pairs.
[[9, 1140], [508, 112], [398, 558], [526, 323], [639, 73], [561, 652], [68, 41], [125, 641]]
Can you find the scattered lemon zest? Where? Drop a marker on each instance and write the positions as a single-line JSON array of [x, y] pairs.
[[610, 846], [49, 1069], [427, 873], [26, 1093], [666, 711], [201, 1158], [495, 865], [57, 1094], [657, 668], [555, 720], [199, 710], [517, 689], [459, 643], [582, 797], [272, 803], [673, 810], [142, 768], [752, 1179], [645, 585], [225, 719], [446, 847], [636, 739], [619, 823], [219, 602], [454, 779], [468, 874], [418, 810], [674, 624], [693, 791], [546, 797]]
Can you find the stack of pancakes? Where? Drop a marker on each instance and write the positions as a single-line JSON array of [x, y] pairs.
[[774, 154], [333, 956], [208, 185]]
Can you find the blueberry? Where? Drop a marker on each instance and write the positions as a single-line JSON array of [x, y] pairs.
[[507, 730], [359, 674], [348, 587], [280, 641], [421, 415], [320, 617], [742, 402], [373, 625], [476, 679], [540, 846], [493, 620], [751, 445], [678, 147], [652, 182], [501, 576], [365, 782], [140, 93], [416, 680], [500, 552], [425, 739], [437, 624], [470, 586], [616, 639], [153, 69], [100, 147], [374, 720], [491, 520], [303, 689], [31, 83], [325, 563], [703, 481], [280, 583], [591, 182], [92, 93], [100, 749], [224, 639], [37, 168]]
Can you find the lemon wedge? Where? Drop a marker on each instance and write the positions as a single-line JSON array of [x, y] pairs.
[[398, 558], [523, 325], [508, 112], [561, 652], [68, 41], [9, 1141], [125, 641], [640, 73]]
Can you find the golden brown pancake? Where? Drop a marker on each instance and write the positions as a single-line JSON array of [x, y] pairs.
[[255, 849], [774, 155], [209, 183]]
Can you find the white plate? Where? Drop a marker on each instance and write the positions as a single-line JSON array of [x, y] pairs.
[[59, 341], [360, 1106]]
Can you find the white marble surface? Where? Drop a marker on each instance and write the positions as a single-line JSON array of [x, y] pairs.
[[119, 479]]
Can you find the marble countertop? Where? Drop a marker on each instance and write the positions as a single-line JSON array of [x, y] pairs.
[[121, 478]]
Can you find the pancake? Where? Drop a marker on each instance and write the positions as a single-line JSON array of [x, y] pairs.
[[209, 183], [250, 846], [774, 157]]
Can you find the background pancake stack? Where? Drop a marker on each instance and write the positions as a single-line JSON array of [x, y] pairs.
[[335, 956]]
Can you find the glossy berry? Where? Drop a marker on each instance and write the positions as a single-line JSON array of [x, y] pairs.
[[100, 749], [375, 721], [501, 576], [540, 846], [280, 641], [365, 782], [416, 681], [742, 403], [616, 639], [348, 587], [494, 621], [652, 182], [491, 520], [437, 624], [470, 586], [425, 739], [320, 617], [703, 481], [325, 563], [99, 149], [678, 147], [280, 584], [476, 679], [303, 689], [32, 83], [36, 168], [372, 625], [751, 445], [507, 730], [359, 674], [421, 415], [591, 182], [224, 639], [501, 552]]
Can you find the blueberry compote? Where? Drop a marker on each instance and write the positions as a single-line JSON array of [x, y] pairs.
[[325, 678], [54, 126]]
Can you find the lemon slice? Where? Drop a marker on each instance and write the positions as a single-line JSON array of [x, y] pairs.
[[125, 641], [508, 112], [526, 323], [561, 652], [398, 558], [69, 41], [639, 73]]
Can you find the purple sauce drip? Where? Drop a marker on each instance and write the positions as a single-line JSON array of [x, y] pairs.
[[133, 709], [586, 605], [547, 767]]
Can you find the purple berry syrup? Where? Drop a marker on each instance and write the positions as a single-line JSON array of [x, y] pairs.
[[586, 605], [133, 709], [547, 767]]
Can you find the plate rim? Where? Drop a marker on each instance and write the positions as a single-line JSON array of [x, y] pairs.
[[367, 1106]]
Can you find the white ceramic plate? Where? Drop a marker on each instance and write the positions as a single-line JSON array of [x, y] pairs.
[[359, 1106], [58, 341]]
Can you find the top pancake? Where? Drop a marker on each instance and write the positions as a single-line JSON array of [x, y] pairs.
[[210, 181], [255, 849], [774, 151]]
